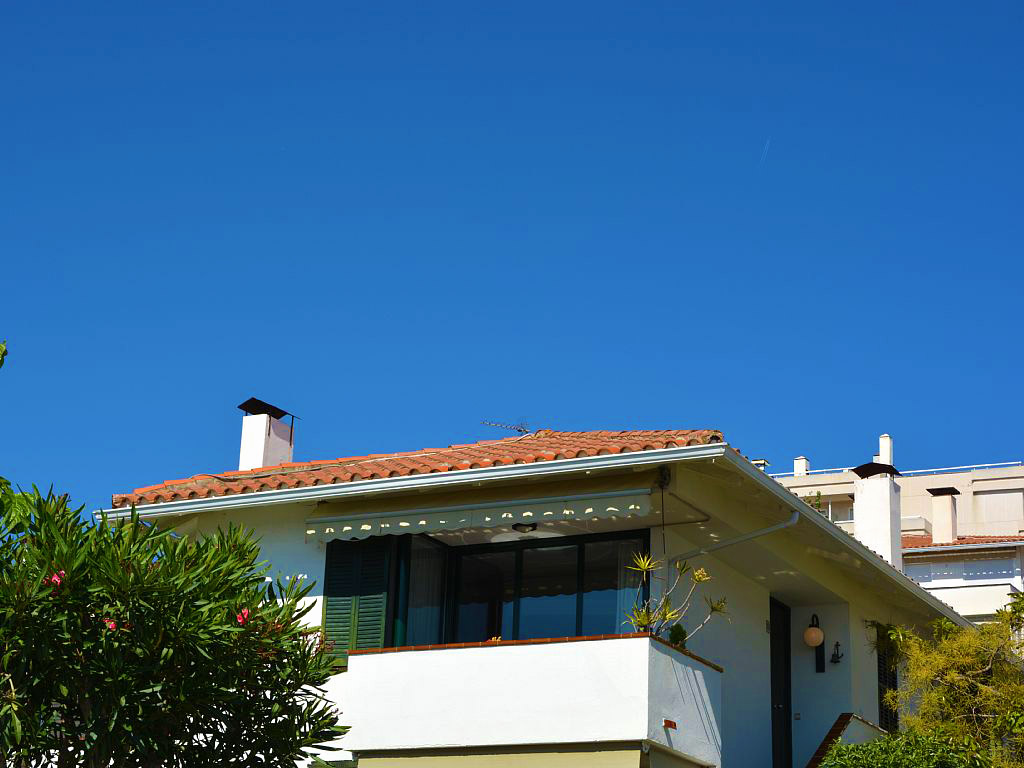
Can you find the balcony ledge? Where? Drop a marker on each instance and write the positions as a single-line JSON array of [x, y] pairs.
[[552, 691], [538, 641]]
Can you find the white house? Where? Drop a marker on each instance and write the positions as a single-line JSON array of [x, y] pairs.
[[479, 593]]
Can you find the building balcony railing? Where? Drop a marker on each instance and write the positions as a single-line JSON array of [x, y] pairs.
[[609, 688]]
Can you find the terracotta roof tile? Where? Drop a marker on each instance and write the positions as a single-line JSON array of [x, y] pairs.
[[544, 445], [915, 541]]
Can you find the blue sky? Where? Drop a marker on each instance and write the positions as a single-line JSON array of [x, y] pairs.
[[801, 225]]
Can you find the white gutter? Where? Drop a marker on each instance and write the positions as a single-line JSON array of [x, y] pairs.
[[451, 478], [815, 518]]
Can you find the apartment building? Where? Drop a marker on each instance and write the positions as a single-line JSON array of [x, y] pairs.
[[961, 527]]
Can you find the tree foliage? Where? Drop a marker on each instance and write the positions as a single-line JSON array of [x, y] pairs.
[[967, 684], [961, 698], [123, 645]]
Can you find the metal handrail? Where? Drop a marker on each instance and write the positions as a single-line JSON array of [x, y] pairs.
[[936, 471]]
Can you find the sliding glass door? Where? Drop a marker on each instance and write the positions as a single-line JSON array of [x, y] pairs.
[[549, 592], [486, 596], [544, 588]]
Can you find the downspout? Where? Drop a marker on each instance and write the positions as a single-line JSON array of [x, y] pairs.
[[793, 519]]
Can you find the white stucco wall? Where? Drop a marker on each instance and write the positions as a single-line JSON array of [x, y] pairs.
[[548, 693], [283, 543], [819, 697], [740, 643]]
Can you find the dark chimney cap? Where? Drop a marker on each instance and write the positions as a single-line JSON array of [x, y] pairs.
[[873, 468], [255, 407], [943, 491]]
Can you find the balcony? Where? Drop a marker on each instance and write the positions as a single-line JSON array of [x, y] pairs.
[[608, 688]]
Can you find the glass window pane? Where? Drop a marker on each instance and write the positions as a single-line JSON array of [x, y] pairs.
[[486, 596], [609, 587], [547, 601], [426, 592]]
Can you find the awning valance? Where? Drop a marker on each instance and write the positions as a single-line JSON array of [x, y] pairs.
[[599, 506]]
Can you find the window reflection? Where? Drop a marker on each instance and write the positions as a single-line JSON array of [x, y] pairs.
[[609, 586], [547, 601], [486, 596]]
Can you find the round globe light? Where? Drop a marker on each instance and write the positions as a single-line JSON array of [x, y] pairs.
[[813, 637]]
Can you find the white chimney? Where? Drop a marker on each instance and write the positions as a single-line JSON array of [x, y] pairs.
[[266, 440], [944, 515], [876, 516], [884, 455], [801, 465]]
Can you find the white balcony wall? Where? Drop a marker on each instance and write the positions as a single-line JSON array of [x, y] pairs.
[[549, 693]]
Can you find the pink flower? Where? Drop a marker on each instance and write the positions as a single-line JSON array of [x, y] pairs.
[[55, 579], [243, 617], [111, 624]]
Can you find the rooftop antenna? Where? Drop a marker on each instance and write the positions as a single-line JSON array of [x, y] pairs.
[[521, 428]]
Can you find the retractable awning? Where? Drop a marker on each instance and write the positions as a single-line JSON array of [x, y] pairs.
[[611, 505]]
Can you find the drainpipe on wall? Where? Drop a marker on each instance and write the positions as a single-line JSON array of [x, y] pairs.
[[792, 520]]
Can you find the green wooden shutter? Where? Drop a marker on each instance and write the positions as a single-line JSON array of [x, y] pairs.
[[356, 594], [372, 599]]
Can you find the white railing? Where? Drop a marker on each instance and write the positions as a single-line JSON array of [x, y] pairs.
[[936, 471]]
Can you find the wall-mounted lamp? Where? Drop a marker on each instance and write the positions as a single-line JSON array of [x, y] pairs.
[[524, 527], [836, 655], [814, 638]]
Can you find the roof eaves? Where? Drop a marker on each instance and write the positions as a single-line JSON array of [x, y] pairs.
[[816, 518], [423, 480]]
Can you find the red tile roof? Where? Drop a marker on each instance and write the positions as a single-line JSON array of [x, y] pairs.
[[914, 541], [544, 445]]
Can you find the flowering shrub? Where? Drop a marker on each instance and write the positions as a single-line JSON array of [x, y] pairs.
[[122, 645]]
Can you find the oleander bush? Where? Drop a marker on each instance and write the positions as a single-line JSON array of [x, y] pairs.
[[125, 645]]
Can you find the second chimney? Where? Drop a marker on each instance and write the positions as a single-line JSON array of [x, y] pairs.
[[884, 455], [944, 515], [266, 439]]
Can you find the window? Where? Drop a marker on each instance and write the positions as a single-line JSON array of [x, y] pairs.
[[548, 592], [609, 586], [426, 591], [545, 588], [356, 594], [842, 512], [413, 590], [888, 717], [486, 596], [964, 567]]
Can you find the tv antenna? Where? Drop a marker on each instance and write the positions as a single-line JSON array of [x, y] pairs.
[[521, 428]]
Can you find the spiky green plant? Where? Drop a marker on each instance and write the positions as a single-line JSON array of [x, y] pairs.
[[658, 615]]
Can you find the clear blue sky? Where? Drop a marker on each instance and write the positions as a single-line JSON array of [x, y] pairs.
[[800, 225]]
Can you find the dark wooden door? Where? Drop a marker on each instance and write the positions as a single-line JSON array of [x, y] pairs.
[[782, 706]]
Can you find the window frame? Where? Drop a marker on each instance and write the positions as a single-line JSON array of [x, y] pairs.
[[455, 555]]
